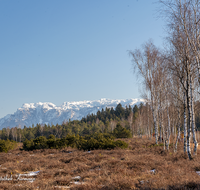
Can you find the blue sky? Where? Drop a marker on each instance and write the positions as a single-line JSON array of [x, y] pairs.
[[72, 50]]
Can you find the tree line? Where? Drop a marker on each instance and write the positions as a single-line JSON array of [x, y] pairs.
[[104, 121]]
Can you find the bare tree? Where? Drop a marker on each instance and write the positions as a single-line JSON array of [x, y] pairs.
[[183, 24], [148, 63], [113, 125]]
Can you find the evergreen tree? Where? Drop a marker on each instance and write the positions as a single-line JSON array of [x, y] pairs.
[[121, 132], [119, 111], [135, 109]]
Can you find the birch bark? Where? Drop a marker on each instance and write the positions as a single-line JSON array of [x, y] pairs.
[[168, 127], [193, 116], [189, 117], [185, 124], [178, 129]]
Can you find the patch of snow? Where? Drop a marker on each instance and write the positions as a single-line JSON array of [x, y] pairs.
[[153, 171], [77, 182], [30, 173], [77, 177]]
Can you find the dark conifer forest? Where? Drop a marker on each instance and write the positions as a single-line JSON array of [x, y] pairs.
[[104, 121], [131, 121]]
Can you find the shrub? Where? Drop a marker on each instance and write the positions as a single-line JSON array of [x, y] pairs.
[[28, 145], [121, 144], [51, 141], [71, 140], [82, 144], [61, 143], [40, 143], [90, 142], [107, 144], [6, 145], [99, 142]]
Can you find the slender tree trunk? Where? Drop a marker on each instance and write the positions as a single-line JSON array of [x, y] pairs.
[[164, 138], [193, 118], [148, 128], [168, 129], [155, 126], [160, 122], [189, 119], [151, 132], [185, 124], [178, 129], [154, 112]]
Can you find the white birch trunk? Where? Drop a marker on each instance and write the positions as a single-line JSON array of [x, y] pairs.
[[189, 119], [154, 119], [193, 118], [149, 132], [178, 130], [155, 125], [160, 122], [185, 124], [168, 127]]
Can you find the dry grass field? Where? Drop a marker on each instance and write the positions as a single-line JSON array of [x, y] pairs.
[[142, 166]]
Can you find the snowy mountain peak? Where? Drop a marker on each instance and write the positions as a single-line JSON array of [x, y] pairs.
[[46, 105], [49, 113]]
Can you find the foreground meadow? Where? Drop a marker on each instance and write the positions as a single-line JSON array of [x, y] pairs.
[[141, 166]]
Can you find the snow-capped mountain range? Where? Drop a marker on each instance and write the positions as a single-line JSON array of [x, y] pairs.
[[49, 113]]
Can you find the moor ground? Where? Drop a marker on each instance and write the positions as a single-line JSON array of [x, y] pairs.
[[141, 166]]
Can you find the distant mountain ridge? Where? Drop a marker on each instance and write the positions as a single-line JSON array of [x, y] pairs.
[[49, 113]]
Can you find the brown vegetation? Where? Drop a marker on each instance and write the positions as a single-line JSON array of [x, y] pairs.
[[144, 165]]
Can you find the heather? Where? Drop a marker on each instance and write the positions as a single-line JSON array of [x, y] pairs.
[[143, 165]]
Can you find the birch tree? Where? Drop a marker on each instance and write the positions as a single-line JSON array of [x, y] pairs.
[[183, 24], [146, 63]]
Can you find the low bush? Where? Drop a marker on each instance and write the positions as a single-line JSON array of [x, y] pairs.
[[72, 140], [90, 142], [28, 144], [6, 145], [100, 141], [51, 141], [40, 143], [61, 143], [121, 144]]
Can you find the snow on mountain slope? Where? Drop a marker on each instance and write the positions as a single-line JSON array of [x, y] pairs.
[[49, 113]]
